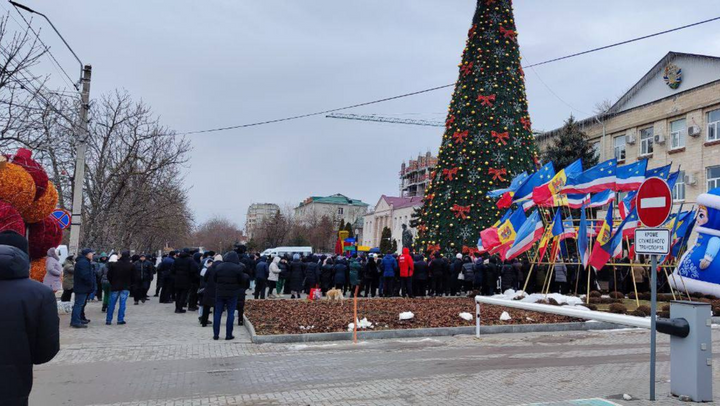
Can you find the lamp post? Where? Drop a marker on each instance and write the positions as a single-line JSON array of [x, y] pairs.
[[81, 133]]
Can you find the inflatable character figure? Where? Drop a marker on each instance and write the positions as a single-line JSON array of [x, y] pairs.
[[700, 265]]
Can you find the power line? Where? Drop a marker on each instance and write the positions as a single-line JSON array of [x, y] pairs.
[[432, 89]]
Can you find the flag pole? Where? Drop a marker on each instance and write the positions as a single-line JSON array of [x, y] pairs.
[[632, 272]]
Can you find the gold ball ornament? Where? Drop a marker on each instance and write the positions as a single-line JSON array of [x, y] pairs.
[[42, 207], [17, 187]]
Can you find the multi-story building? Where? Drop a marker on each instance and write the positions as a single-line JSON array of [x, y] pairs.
[[391, 212], [256, 214], [415, 176], [672, 115], [336, 207]]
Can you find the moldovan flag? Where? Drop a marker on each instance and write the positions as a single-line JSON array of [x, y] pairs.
[[507, 232], [583, 239], [576, 201], [543, 195], [630, 177], [544, 242], [527, 235], [611, 247], [523, 195], [600, 254], [596, 179]]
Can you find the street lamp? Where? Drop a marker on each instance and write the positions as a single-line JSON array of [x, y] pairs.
[[81, 132]]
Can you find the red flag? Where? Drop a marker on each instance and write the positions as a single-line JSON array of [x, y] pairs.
[[505, 201], [338, 246], [542, 194], [490, 238]]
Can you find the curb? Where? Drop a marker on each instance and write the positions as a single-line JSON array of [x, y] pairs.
[[426, 332]]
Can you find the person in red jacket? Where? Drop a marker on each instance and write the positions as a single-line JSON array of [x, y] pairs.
[[405, 263]]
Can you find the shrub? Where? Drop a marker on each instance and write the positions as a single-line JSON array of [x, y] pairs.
[[553, 302], [645, 309], [639, 313], [617, 295], [595, 293], [665, 308], [711, 297], [617, 308], [631, 295], [716, 311], [591, 306], [697, 295], [596, 300], [645, 296]]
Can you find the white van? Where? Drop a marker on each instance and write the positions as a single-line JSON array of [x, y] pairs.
[[289, 251]]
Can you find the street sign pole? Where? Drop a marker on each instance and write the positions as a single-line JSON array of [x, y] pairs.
[[653, 316]]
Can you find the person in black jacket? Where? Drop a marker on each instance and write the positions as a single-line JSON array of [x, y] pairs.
[[143, 271], [230, 278], [121, 278], [371, 277], [194, 282], [296, 277], [209, 292], [326, 275], [420, 275], [84, 283], [508, 276], [183, 271], [262, 271], [439, 268], [29, 327], [312, 273]]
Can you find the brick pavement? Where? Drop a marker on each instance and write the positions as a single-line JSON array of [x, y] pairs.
[[162, 358]]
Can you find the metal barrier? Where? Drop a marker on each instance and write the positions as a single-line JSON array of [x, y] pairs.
[[690, 342]]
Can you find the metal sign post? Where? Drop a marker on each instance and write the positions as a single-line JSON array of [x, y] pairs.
[[654, 205]]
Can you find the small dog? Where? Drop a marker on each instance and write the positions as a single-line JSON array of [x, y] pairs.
[[335, 295]]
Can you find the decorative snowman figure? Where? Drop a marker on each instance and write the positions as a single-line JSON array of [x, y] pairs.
[[699, 266]]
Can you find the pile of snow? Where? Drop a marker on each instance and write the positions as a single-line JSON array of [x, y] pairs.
[[627, 397], [364, 323], [466, 316], [307, 327], [536, 297], [505, 316], [64, 307], [406, 315]]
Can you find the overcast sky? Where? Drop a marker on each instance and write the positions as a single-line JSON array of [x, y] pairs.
[[205, 64]]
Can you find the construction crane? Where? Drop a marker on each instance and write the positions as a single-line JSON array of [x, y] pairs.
[[381, 119]]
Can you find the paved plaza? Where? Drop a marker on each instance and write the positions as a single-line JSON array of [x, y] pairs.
[[163, 358]]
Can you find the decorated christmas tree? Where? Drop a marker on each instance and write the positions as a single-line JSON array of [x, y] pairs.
[[488, 137]]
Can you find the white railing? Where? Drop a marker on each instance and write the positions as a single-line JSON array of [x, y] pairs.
[[569, 311]]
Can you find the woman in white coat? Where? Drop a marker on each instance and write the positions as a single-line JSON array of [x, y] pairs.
[[53, 270], [273, 277]]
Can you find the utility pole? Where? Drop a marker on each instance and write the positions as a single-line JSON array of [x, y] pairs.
[[81, 133]]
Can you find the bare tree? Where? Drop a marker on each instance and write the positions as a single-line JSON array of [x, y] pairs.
[[218, 233]]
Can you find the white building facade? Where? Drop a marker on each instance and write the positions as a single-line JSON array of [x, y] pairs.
[[391, 212], [335, 207]]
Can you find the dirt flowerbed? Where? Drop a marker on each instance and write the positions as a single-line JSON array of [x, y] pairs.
[[270, 317]]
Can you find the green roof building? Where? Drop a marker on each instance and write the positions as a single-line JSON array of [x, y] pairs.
[[336, 206]]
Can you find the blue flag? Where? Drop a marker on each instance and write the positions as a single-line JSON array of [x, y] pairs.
[[596, 179], [583, 239], [544, 174], [661, 172], [557, 227], [630, 177], [514, 185]]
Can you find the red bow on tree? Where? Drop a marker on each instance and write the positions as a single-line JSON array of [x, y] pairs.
[[467, 68], [429, 197], [486, 100], [508, 33], [500, 137], [460, 211], [433, 248], [449, 121], [471, 31], [459, 137], [498, 174], [450, 173], [469, 250], [422, 228], [525, 121], [490, 2]]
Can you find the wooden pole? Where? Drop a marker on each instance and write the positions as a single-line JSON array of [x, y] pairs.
[[632, 272]]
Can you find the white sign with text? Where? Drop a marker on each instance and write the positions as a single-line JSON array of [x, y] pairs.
[[652, 241]]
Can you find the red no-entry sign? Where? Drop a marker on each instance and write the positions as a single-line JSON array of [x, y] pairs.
[[654, 202]]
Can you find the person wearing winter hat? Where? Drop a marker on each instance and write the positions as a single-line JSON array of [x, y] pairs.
[[105, 283], [120, 275], [84, 284], [700, 266], [53, 270], [29, 327]]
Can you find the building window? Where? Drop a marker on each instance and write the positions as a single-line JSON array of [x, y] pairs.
[[619, 147], [341, 211], [678, 192], [677, 133], [646, 141], [713, 177], [713, 128], [596, 149]]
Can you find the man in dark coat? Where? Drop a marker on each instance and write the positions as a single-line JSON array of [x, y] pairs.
[[438, 269], [142, 277], [164, 275], [121, 277], [182, 271], [230, 278], [420, 275], [208, 296], [509, 276], [262, 271], [194, 282], [83, 280], [490, 277], [312, 273], [296, 276], [29, 324]]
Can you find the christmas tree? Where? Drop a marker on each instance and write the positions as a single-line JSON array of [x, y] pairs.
[[488, 137]]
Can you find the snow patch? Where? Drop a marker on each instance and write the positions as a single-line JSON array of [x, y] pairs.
[[627, 397], [362, 324], [535, 297], [466, 316], [406, 315], [64, 307], [505, 316]]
